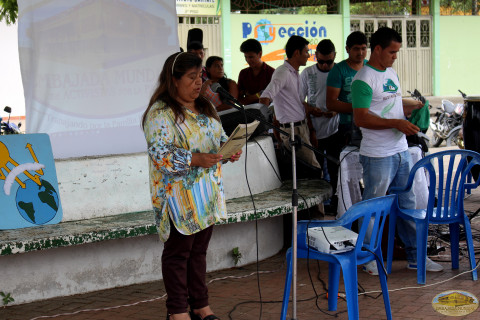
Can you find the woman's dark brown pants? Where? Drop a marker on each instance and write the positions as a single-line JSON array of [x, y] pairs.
[[183, 267]]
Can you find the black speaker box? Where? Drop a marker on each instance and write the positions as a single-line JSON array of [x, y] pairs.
[[232, 118], [194, 35]]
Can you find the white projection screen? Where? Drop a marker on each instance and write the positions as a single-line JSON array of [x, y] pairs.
[[89, 68]]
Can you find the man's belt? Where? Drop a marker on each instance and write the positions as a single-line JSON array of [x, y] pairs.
[[295, 124]]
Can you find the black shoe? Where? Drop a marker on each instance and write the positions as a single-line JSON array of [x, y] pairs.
[[194, 316]]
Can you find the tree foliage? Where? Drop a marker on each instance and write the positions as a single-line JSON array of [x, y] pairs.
[[8, 11], [458, 7], [313, 10], [399, 7]]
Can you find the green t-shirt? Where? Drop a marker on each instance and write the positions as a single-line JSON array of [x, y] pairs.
[[341, 76]]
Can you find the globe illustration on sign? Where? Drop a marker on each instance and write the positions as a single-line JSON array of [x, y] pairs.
[[264, 31], [38, 204]]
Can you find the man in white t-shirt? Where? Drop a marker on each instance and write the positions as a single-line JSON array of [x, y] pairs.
[[313, 86], [380, 112]]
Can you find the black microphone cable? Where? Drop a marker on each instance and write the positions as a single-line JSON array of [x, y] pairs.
[[255, 214], [231, 100], [216, 87], [268, 159], [308, 267]]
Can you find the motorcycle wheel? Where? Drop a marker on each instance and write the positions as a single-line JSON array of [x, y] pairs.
[[453, 140], [436, 141]]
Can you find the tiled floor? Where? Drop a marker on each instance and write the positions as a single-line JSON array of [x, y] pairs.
[[235, 293]]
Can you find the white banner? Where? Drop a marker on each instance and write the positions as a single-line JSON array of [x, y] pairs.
[[198, 7], [89, 68]]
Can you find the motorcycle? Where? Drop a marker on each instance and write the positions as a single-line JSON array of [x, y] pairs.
[[9, 127], [448, 123]]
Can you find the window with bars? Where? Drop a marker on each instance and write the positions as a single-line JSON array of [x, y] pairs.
[[382, 23], [354, 25], [411, 34], [199, 20], [397, 26], [424, 33], [369, 29], [408, 29]]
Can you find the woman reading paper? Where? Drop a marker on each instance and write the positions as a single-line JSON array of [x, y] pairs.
[[183, 134]]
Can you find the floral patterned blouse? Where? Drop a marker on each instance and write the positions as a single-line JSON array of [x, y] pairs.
[[192, 197]]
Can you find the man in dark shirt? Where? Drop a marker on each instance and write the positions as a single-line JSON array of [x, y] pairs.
[[254, 79]]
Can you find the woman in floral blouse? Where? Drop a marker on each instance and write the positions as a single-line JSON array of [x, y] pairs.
[[184, 133]]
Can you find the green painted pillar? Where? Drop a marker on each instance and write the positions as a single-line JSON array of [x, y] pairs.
[[345, 12], [435, 12], [226, 37]]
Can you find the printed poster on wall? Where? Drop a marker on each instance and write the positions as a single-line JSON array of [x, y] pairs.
[[273, 32], [89, 69], [198, 7], [29, 194]]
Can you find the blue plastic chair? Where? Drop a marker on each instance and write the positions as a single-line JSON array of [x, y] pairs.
[[451, 185], [364, 211]]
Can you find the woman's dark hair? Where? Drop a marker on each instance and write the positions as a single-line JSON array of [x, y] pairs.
[[223, 81], [176, 66]]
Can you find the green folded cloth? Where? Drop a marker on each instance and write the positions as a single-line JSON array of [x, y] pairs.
[[421, 117]]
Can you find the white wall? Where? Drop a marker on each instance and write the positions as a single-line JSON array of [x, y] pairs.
[[119, 184], [11, 88], [46, 274]]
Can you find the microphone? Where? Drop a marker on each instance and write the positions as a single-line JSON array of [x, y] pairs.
[[224, 94]]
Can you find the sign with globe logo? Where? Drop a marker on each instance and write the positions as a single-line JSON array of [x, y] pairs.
[[264, 31], [28, 182]]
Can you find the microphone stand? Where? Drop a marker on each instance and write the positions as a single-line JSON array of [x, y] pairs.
[[293, 145], [295, 142]]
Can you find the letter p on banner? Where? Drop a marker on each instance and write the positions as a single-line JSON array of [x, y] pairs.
[[247, 29]]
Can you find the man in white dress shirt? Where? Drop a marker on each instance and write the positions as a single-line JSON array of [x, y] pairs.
[[284, 91]]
